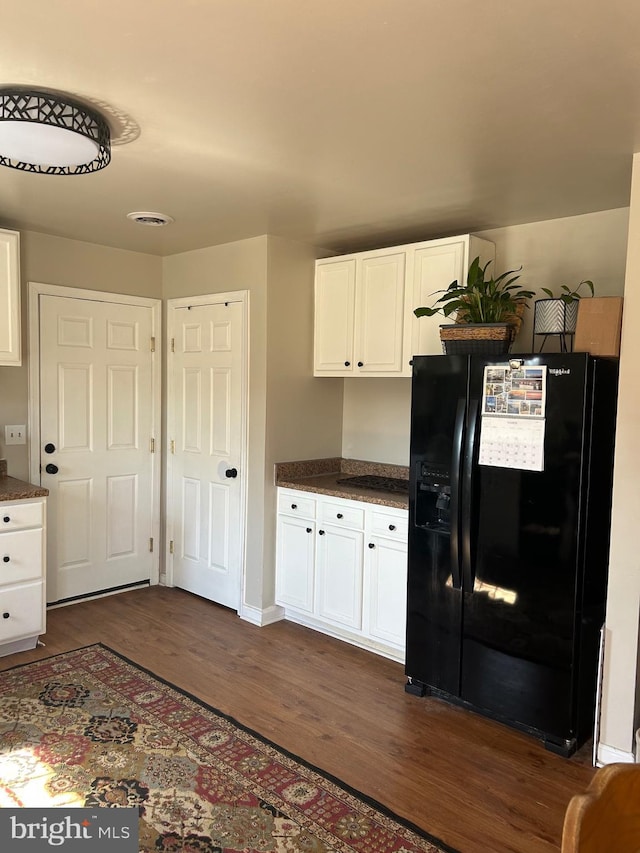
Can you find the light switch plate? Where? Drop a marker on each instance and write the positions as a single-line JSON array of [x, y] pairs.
[[15, 434]]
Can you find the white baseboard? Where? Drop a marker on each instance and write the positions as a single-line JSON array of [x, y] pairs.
[[612, 755], [261, 617]]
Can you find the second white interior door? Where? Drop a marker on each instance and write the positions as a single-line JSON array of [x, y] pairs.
[[207, 351]]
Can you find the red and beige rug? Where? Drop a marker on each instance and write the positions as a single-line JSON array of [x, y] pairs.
[[89, 728]]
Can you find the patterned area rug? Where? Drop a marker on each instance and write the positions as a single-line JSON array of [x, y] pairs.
[[90, 728]]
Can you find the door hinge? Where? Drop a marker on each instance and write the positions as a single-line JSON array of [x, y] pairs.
[[151, 544], [153, 344], [171, 546], [173, 446], [173, 344], [153, 445]]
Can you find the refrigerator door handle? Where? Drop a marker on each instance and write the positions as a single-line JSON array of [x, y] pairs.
[[466, 499], [456, 457]]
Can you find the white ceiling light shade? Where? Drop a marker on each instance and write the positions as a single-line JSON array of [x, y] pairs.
[[51, 133]]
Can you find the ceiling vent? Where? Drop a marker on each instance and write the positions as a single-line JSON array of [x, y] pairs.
[[147, 217]]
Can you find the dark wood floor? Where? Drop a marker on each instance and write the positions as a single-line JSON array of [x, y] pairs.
[[475, 784]]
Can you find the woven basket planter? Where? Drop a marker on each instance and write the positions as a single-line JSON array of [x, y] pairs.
[[477, 338]]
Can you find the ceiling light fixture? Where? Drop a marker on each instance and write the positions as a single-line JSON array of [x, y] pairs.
[[51, 133], [148, 217]]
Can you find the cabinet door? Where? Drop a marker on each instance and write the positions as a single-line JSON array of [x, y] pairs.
[[339, 576], [379, 314], [10, 348], [295, 562], [386, 589], [22, 608], [434, 268], [334, 317]]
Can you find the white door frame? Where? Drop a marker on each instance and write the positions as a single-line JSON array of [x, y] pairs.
[[182, 302], [35, 289]]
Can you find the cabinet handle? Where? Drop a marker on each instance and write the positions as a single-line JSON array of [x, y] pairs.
[[308, 530], [294, 506], [392, 527], [6, 614], [321, 532], [339, 515], [371, 545], [6, 559], [347, 364], [7, 519], [360, 364]]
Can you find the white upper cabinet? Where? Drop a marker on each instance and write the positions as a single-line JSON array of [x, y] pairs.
[[364, 321], [359, 314], [432, 267], [335, 298], [10, 346]]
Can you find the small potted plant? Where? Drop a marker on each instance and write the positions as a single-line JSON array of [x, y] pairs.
[[558, 315], [487, 310]]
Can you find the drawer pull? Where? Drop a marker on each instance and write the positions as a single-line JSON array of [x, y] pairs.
[[392, 527], [339, 515], [321, 532], [294, 506], [6, 614], [6, 559], [371, 545], [308, 530], [7, 519]]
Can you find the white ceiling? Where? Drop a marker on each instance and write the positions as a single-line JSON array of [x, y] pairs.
[[344, 123]]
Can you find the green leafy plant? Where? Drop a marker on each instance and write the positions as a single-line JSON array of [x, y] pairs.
[[568, 295], [483, 299]]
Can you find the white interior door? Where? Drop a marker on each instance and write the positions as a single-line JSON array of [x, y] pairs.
[[206, 521], [96, 443]]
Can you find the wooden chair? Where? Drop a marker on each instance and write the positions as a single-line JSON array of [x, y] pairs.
[[605, 819]]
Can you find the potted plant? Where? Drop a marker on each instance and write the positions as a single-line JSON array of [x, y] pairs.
[[558, 315], [488, 311]]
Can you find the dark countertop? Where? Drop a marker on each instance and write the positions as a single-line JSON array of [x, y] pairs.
[[17, 490], [321, 475]]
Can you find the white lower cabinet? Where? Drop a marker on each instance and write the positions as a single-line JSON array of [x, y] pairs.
[[22, 582], [341, 568]]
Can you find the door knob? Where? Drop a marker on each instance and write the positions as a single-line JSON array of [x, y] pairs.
[[231, 472], [49, 448], [51, 468]]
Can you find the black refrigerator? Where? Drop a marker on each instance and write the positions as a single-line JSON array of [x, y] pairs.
[[509, 521]]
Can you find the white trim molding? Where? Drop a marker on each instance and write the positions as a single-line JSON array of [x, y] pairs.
[[266, 616], [612, 755]]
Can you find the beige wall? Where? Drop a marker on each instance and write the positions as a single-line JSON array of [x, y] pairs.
[[55, 260], [304, 413], [218, 269], [554, 252], [620, 705], [291, 414]]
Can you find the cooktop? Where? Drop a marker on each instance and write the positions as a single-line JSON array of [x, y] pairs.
[[381, 484]]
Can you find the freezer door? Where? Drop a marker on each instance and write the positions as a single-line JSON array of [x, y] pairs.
[[434, 592], [523, 579]]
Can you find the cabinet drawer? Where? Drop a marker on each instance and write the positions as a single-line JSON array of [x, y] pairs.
[[14, 516], [21, 557], [21, 611], [391, 526], [341, 515], [293, 504]]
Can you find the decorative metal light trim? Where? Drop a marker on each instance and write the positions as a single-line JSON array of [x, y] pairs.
[[60, 111]]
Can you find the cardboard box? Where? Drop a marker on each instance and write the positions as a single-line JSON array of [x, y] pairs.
[[599, 325]]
